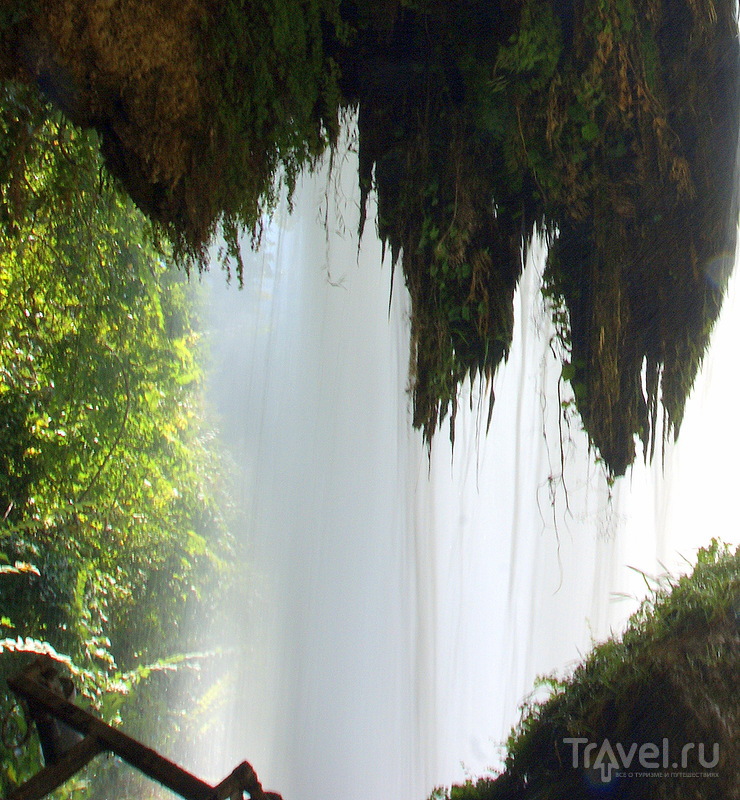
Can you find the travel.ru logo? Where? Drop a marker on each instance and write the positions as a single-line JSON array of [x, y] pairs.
[[644, 760]]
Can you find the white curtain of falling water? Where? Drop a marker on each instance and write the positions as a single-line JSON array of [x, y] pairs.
[[398, 607]]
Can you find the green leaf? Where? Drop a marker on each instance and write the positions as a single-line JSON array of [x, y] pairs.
[[568, 372], [590, 131]]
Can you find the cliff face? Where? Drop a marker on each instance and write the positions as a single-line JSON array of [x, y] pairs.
[[611, 128]]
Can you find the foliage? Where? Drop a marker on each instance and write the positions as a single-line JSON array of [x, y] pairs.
[[107, 485], [672, 675], [267, 81], [647, 217], [445, 202]]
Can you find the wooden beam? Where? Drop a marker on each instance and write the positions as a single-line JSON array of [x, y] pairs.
[[99, 737], [138, 755], [53, 776], [242, 779]]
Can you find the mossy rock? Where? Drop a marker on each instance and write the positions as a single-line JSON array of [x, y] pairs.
[[609, 127], [202, 107], [654, 714]]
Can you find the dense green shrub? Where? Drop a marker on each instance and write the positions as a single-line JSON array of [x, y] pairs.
[[110, 535]]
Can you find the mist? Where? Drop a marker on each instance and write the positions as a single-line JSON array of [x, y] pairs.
[[398, 604]]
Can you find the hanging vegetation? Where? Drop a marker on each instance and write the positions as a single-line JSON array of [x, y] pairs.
[[610, 127], [653, 715]]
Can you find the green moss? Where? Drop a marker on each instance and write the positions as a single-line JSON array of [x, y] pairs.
[[587, 131], [610, 127], [672, 676]]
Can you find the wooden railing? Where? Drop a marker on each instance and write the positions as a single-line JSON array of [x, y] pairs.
[[98, 737]]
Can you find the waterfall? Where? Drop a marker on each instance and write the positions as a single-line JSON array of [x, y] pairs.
[[397, 605]]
